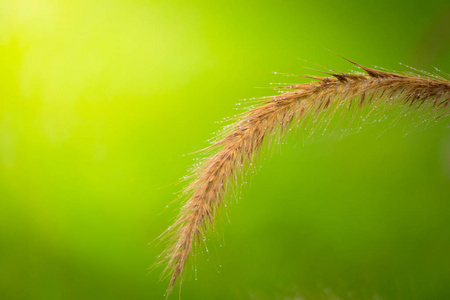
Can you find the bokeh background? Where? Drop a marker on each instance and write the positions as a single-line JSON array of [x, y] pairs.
[[100, 100]]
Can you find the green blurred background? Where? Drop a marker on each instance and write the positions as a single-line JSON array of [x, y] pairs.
[[99, 100]]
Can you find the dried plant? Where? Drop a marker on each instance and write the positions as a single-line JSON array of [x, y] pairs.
[[301, 105]]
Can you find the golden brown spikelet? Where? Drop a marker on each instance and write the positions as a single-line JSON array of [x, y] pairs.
[[242, 140]]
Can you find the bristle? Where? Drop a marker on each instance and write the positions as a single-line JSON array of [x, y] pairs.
[[243, 139]]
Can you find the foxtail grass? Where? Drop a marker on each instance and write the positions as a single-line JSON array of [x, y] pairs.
[[271, 119]]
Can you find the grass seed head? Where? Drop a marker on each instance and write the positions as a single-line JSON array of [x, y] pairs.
[[240, 142]]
